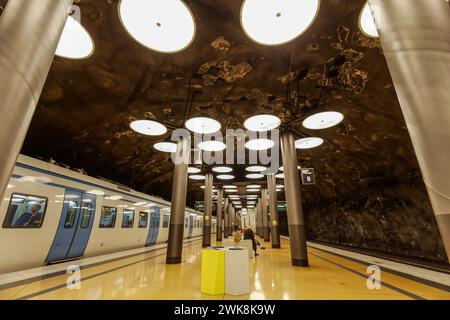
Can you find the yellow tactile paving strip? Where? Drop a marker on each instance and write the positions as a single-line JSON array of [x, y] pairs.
[[147, 276]]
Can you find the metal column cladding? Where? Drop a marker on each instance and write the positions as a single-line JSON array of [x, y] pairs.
[[178, 206], [299, 254], [29, 35], [274, 228], [219, 214], [208, 211], [264, 213], [415, 37], [225, 218]]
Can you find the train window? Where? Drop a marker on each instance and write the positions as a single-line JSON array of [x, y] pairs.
[[71, 214], [86, 213], [25, 211], [143, 219], [108, 217], [166, 219], [128, 219]]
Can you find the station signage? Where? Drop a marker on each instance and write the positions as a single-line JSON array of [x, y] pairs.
[[308, 176]]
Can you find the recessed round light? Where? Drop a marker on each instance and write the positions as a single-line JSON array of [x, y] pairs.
[[148, 127], [279, 186], [259, 144], [212, 146], [164, 26], [231, 190], [166, 147], [279, 176], [262, 122], [229, 186], [253, 190], [197, 177], [75, 42], [254, 176], [225, 177], [203, 125], [308, 143], [256, 169], [367, 22], [253, 186], [323, 120], [282, 169], [194, 170], [222, 169], [270, 22], [203, 187]]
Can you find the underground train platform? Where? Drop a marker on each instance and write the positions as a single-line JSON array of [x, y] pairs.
[[256, 153]]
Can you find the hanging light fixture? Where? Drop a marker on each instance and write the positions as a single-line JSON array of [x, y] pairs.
[[367, 22], [262, 123], [194, 170], [75, 42], [197, 177], [148, 127], [203, 125], [161, 25], [212, 146], [308, 143], [230, 186], [279, 176], [253, 186], [256, 169], [222, 169], [323, 120], [275, 22], [225, 177], [282, 169], [166, 147], [231, 190], [254, 176], [259, 144], [253, 190]]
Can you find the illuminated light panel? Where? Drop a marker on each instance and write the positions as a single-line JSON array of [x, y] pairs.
[[308, 143], [212, 146], [75, 42], [166, 147], [270, 22], [367, 22], [225, 177], [253, 190], [279, 176], [203, 125], [194, 170], [231, 190], [113, 197], [262, 123], [259, 144], [160, 25], [256, 169], [282, 169], [222, 169], [323, 120], [148, 127], [197, 177], [253, 186], [229, 186], [279, 186], [254, 176]]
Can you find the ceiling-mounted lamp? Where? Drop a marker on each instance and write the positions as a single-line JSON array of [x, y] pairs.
[[166, 26], [203, 125], [230, 186], [262, 123], [148, 127], [255, 169], [323, 120], [166, 147], [194, 170], [222, 170], [282, 168], [308, 143], [225, 177], [259, 144], [367, 22], [275, 22], [197, 177], [212, 146], [279, 176], [254, 176], [75, 42]]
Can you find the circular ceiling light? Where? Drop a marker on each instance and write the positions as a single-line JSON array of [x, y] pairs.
[[212, 146], [161, 25], [253, 186], [259, 144], [256, 169], [222, 170], [262, 122], [282, 169], [270, 22], [308, 143], [203, 125], [166, 147], [148, 127], [323, 120], [279, 186], [230, 186], [225, 177], [203, 187], [280, 176], [367, 22], [231, 190], [253, 190], [279, 190], [75, 42], [197, 177], [254, 176], [194, 170]]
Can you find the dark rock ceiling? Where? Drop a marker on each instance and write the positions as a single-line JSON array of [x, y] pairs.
[[83, 115]]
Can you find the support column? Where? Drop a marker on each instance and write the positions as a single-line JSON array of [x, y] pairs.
[[260, 228], [208, 211], [219, 214], [178, 205], [225, 218], [265, 218], [414, 35], [231, 220], [272, 187], [29, 35], [299, 254]]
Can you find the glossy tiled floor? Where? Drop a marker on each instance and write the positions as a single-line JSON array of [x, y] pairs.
[[146, 276]]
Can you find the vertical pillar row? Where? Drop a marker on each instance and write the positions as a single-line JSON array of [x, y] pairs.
[[274, 228], [219, 214], [208, 210]]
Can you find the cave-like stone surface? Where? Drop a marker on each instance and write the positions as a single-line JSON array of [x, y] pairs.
[[369, 190]]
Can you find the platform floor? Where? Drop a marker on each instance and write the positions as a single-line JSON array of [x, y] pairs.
[[146, 276]]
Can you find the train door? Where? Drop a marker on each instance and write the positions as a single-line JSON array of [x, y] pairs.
[[74, 226], [155, 219], [191, 226]]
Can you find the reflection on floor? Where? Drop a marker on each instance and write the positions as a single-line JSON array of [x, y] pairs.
[[146, 276]]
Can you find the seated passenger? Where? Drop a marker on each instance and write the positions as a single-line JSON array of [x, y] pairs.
[[30, 219]]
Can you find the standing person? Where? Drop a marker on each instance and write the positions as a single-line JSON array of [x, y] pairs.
[[250, 235]]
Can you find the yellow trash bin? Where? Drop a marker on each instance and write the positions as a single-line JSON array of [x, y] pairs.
[[213, 271]]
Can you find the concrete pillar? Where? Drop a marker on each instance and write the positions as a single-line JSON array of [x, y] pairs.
[[208, 210], [231, 220], [265, 218], [296, 224], [225, 218], [178, 205], [260, 228], [29, 35], [219, 214], [274, 228], [415, 37]]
